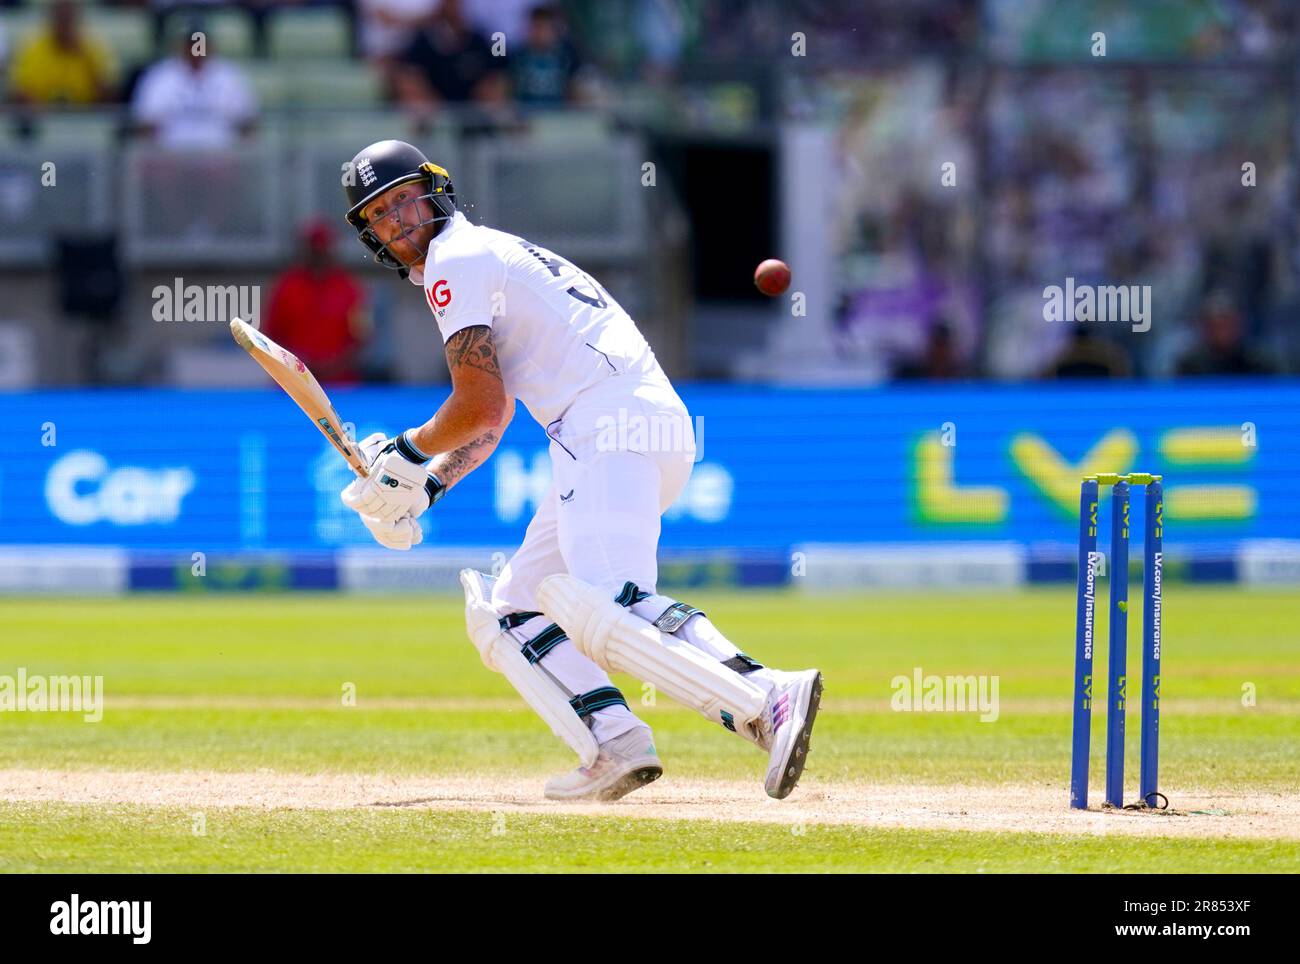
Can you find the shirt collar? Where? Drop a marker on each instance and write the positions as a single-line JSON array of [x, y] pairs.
[[458, 220]]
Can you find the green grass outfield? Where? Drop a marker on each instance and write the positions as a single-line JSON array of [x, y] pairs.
[[79, 839], [244, 683]]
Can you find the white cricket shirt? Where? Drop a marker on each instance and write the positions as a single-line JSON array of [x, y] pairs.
[[556, 330]]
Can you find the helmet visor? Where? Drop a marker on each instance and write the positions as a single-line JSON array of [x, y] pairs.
[[395, 234]]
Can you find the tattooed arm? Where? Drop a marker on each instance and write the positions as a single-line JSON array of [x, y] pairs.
[[451, 467], [478, 406]]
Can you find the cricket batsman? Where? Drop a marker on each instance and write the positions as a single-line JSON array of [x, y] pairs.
[[578, 599]]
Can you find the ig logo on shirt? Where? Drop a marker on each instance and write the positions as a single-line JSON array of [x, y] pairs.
[[439, 297]]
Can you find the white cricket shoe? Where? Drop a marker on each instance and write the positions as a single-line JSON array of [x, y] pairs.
[[785, 729], [625, 763]]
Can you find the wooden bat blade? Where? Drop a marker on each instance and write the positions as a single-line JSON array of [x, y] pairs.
[[300, 385]]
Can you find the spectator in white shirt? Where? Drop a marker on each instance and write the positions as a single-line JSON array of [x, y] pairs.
[[194, 99], [200, 109]]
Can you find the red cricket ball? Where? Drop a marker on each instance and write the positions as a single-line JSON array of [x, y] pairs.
[[772, 277]]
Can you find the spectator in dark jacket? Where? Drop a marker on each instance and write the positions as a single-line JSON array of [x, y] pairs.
[[542, 71], [1223, 349], [448, 61], [1088, 355]]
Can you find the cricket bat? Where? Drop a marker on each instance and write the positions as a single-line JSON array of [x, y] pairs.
[[296, 379]]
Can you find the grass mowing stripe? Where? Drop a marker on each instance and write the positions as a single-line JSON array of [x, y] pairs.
[[71, 838]]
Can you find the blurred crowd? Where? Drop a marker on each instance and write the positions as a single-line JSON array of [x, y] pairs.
[[984, 150], [971, 185], [426, 53]]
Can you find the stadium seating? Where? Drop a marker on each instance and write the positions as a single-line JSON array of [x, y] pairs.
[[308, 34], [128, 33], [568, 196], [81, 130], [292, 34], [230, 28], [271, 82], [333, 83]]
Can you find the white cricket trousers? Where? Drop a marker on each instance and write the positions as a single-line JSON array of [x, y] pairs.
[[620, 455]]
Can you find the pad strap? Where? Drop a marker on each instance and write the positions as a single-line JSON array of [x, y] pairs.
[[515, 620], [584, 704], [630, 594], [543, 643], [742, 664], [540, 644]]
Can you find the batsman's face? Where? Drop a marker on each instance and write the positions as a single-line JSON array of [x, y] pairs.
[[397, 217]]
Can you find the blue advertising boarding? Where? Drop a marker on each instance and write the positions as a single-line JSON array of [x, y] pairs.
[[244, 470]]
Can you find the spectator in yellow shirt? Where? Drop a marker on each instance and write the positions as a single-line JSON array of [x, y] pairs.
[[61, 64]]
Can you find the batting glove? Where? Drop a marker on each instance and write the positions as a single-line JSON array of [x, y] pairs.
[[398, 484], [400, 534]]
